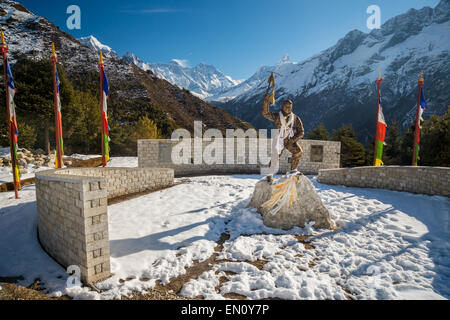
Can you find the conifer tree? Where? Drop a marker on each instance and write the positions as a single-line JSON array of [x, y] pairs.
[[393, 148], [319, 133], [353, 153], [145, 128], [407, 147], [435, 141], [82, 124], [34, 96]]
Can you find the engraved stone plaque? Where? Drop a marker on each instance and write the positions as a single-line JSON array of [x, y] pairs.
[[316, 153], [165, 152]]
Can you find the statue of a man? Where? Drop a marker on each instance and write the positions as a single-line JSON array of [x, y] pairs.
[[290, 128]]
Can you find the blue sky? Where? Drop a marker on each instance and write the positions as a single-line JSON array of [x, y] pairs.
[[236, 36]]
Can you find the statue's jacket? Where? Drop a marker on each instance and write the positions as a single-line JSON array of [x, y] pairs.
[[275, 117]]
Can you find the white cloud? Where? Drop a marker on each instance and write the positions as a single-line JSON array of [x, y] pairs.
[[182, 62]]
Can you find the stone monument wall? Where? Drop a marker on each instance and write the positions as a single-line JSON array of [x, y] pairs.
[[424, 180], [73, 214], [316, 155]]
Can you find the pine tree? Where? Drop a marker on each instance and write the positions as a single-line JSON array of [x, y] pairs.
[[369, 154], [393, 147], [34, 96], [319, 133], [435, 141], [4, 137], [407, 147], [353, 153], [124, 137], [82, 124], [27, 135], [145, 128]]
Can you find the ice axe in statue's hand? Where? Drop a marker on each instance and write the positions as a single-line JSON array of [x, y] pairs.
[[271, 85]]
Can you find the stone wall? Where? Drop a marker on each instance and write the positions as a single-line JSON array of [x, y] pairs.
[[123, 181], [331, 156], [424, 180], [73, 213], [157, 153]]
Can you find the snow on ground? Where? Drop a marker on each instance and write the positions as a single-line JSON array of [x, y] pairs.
[[4, 151], [83, 156], [123, 162], [20, 252], [6, 172], [390, 245], [114, 161]]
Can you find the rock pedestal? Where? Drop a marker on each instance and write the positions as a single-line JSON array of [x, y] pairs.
[[308, 207]]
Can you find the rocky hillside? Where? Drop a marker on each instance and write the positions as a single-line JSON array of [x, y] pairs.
[[338, 86], [31, 36]]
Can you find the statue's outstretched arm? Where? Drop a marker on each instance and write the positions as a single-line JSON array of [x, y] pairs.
[[265, 109]]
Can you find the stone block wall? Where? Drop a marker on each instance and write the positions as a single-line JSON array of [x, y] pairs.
[[123, 181], [331, 156], [73, 213], [423, 180], [157, 153], [73, 223]]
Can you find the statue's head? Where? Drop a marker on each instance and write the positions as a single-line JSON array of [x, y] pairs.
[[286, 107]]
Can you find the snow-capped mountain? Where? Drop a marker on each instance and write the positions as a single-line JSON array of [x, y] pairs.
[[30, 36], [256, 81], [202, 80], [131, 58], [93, 43], [338, 86]]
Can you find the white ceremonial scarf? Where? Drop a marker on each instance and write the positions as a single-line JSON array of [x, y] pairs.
[[286, 131]]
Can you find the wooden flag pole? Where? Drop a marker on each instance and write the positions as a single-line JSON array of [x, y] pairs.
[[102, 67], [58, 132], [376, 123], [417, 127], [4, 50]]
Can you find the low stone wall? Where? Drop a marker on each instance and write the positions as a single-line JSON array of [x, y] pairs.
[[73, 213], [423, 180], [316, 155], [123, 181]]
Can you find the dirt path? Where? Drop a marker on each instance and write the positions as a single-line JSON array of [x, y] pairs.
[[169, 291], [173, 288], [10, 291]]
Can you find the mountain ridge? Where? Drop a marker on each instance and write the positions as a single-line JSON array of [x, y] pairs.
[[337, 85], [202, 80], [30, 36]]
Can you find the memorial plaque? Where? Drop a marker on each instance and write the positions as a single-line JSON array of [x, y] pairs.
[[316, 153], [165, 152]]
